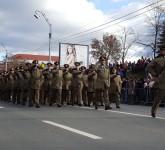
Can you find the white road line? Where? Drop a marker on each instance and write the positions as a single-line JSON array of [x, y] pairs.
[[126, 113], [2, 107], [72, 130]]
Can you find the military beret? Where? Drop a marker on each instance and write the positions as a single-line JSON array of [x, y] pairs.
[[17, 68], [12, 69], [77, 63], [5, 72], [21, 67], [83, 68], [35, 61], [56, 63], [102, 58], [66, 66], [49, 64], [27, 63], [92, 66]]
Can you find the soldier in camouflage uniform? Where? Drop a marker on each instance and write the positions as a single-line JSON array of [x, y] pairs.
[[56, 86], [77, 85], [4, 87], [21, 85], [66, 87], [26, 83], [11, 84], [85, 85], [35, 84], [92, 76], [115, 87], [156, 71], [46, 87], [102, 83]]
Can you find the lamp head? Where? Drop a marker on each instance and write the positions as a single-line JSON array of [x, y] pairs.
[[36, 16]]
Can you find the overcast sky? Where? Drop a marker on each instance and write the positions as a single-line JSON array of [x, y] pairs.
[[72, 22]]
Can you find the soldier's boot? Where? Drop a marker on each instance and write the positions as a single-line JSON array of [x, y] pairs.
[[37, 106], [108, 107], [153, 114], [118, 107], [96, 106]]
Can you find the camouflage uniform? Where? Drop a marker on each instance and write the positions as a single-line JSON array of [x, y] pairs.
[[77, 85], [11, 84], [35, 84], [92, 76], [157, 70], [66, 87], [115, 88], [102, 83], [85, 85], [26, 84], [56, 86], [47, 84]]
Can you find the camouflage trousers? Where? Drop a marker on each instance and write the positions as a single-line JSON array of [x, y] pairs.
[[159, 97]]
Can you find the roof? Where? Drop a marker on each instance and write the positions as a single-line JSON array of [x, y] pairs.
[[32, 57]]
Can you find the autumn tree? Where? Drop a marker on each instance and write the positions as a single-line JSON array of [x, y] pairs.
[[110, 47], [128, 39], [154, 21]]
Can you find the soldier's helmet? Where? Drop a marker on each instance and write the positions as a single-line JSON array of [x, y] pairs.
[[35, 61], [56, 63], [77, 63], [66, 66], [103, 58]]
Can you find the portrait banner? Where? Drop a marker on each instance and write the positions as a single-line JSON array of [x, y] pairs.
[[71, 53]]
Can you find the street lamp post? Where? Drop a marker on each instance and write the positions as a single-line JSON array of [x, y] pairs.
[[50, 28]]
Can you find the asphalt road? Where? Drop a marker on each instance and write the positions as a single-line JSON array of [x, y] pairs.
[[80, 128]]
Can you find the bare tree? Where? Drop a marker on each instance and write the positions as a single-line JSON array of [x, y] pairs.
[[128, 39], [110, 47], [154, 21]]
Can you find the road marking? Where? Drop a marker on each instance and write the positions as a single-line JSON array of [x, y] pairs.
[[2, 107], [126, 113], [72, 130]]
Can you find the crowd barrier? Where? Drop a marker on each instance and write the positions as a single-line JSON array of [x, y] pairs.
[[139, 96]]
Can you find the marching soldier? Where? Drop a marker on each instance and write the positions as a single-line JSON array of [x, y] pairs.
[[92, 76], [77, 85], [35, 84], [66, 87], [56, 86], [85, 85], [46, 87], [102, 83], [4, 85], [21, 85], [156, 71], [16, 86], [115, 87], [26, 83], [11, 84]]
